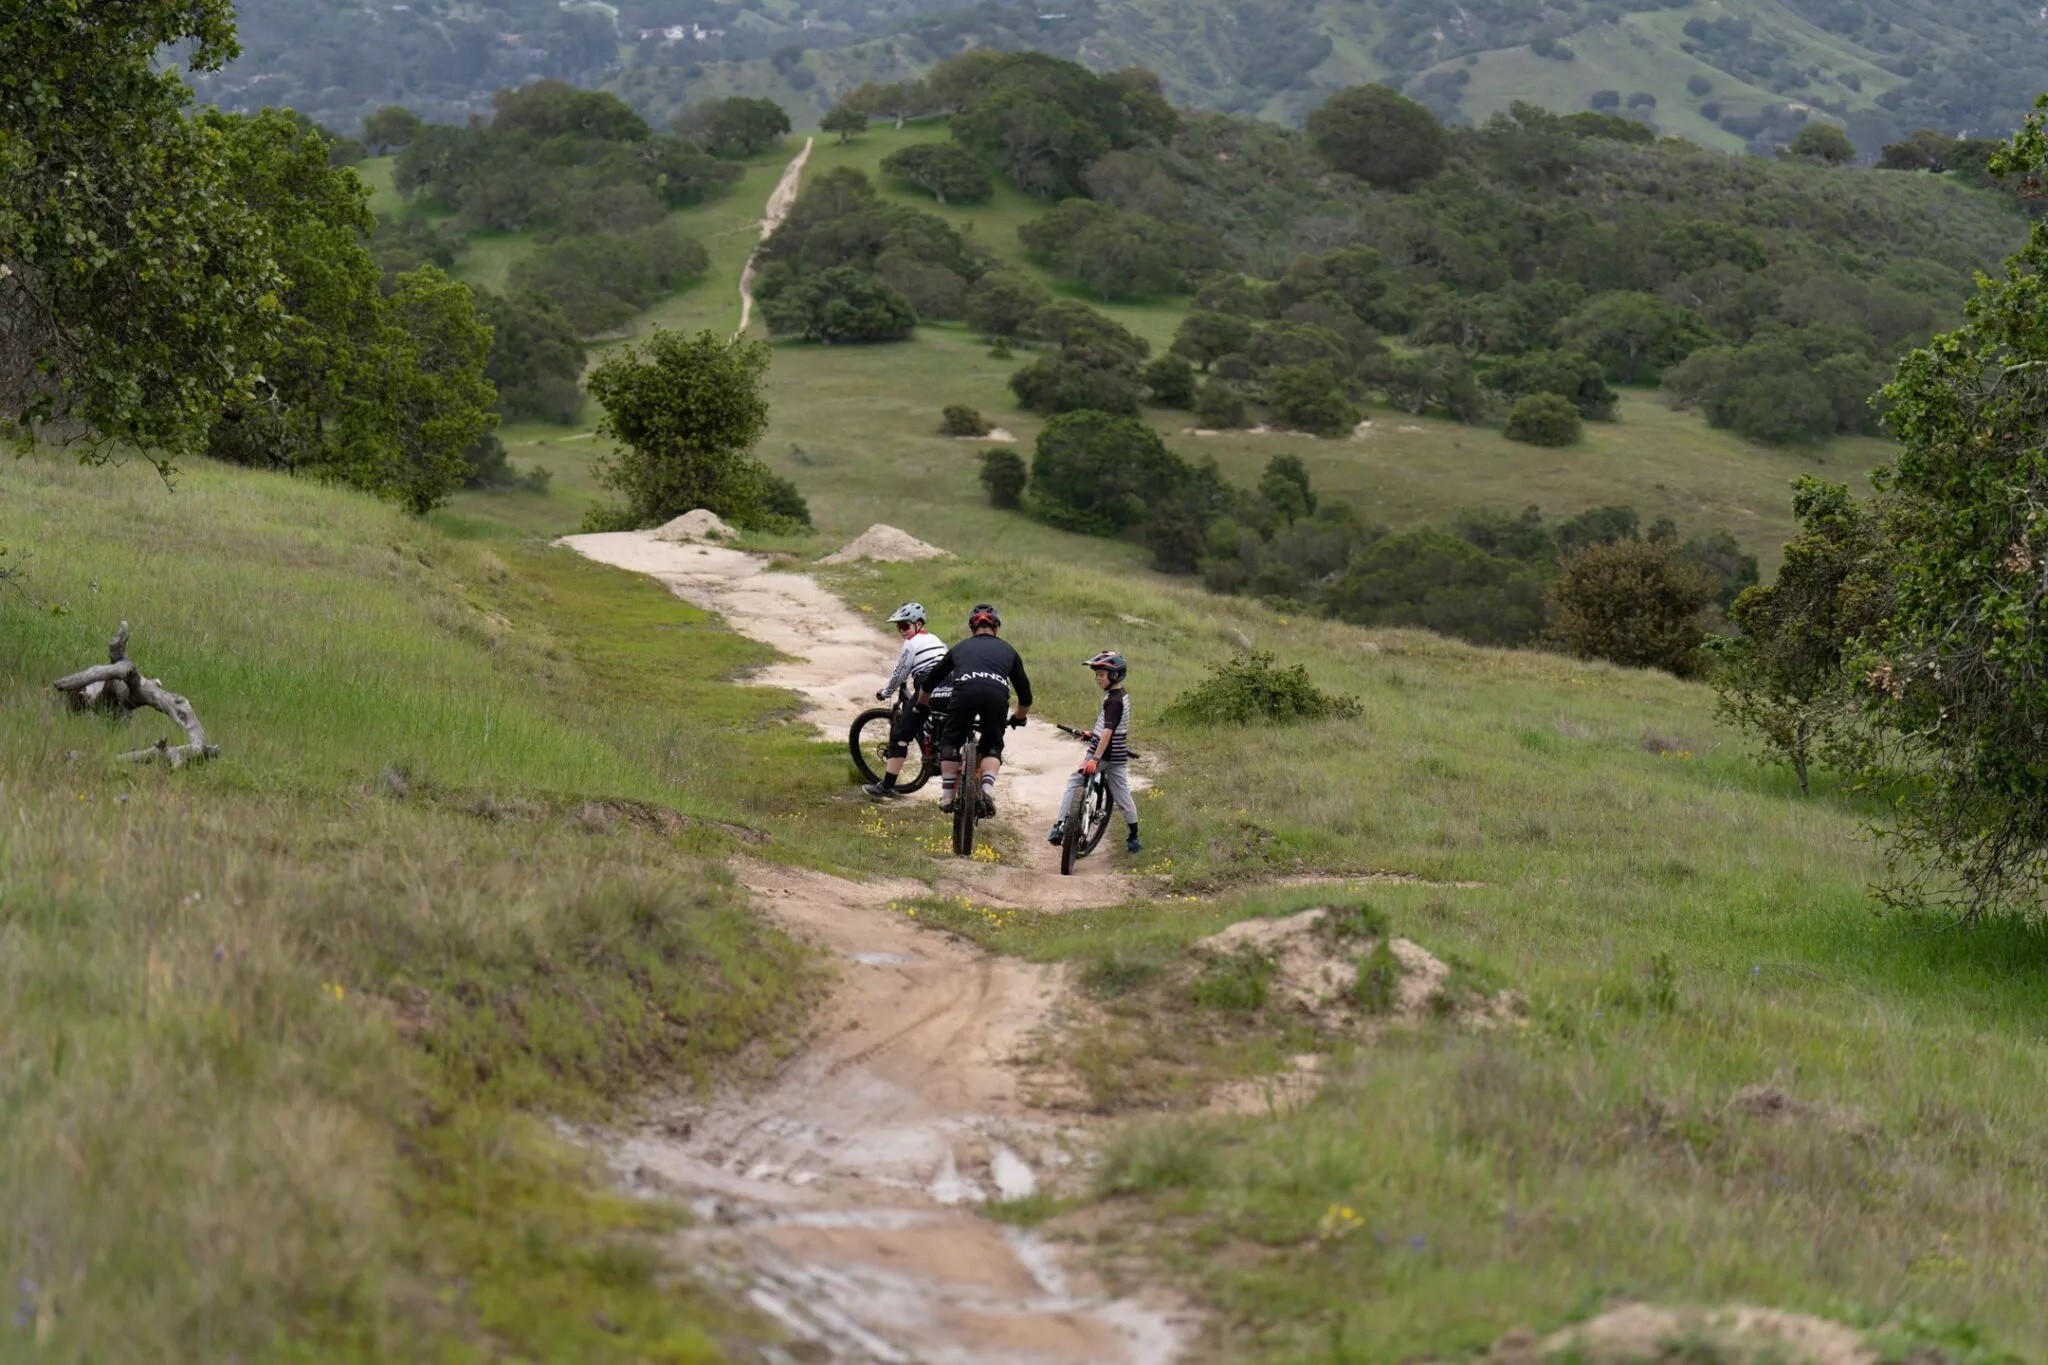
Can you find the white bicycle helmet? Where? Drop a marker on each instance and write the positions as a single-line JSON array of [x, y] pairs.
[[909, 611]]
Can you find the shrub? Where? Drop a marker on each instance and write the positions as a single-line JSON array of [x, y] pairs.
[[1097, 472], [1233, 981], [783, 502], [1378, 986], [960, 420], [841, 304], [1633, 603], [1310, 398], [1004, 476], [1543, 419], [1219, 406], [1055, 384], [1172, 381], [1436, 581], [1254, 687], [1698, 86]]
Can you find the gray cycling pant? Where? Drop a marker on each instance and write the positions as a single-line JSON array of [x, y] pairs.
[[1115, 776]]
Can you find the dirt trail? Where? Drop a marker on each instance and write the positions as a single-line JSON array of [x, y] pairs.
[[843, 660], [843, 1197], [779, 201]]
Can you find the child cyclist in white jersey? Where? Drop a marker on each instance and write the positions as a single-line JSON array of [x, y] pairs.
[[1109, 748]]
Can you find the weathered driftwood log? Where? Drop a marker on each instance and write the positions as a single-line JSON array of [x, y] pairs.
[[118, 685]]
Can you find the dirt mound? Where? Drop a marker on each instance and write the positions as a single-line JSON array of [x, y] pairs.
[[1314, 962], [1641, 1333], [697, 525], [887, 544]]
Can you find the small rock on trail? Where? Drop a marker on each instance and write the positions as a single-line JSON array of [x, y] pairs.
[[887, 545]]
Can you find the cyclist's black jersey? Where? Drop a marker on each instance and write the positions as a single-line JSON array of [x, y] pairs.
[[978, 662]]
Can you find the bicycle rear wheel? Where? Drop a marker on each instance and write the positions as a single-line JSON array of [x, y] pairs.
[[865, 741], [966, 800], [1098, 813], [868, 742]]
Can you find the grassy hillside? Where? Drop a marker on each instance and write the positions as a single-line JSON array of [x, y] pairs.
[[1734, 1083], [1278, 60], [857, 427], [277, 1025]]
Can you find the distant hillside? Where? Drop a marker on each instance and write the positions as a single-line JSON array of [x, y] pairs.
[[1725, 74]]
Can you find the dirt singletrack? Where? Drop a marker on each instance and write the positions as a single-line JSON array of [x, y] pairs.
[[780, 200], [843, 1196]]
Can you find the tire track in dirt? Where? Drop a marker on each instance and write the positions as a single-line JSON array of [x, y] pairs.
[[841, 1198], [780, 199]]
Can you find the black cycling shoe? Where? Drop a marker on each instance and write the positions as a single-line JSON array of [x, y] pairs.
[[948, 806], [878, 791], [987, 809], [1058, 835]]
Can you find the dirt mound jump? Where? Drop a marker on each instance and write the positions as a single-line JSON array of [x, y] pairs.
[[886, 545], [697, 525]]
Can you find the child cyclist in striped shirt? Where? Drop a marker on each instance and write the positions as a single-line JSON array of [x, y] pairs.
[[1109, 747]]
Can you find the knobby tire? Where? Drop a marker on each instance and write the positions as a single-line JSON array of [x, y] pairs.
[[967, 800], [867, 751], [1098, 818], [1073, 829]]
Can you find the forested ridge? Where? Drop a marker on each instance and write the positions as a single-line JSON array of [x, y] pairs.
[[1749, 71]]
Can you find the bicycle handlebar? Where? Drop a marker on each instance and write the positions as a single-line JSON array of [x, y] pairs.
[[1083, 734]]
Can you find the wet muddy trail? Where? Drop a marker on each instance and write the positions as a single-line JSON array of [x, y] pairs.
[[844, 1197]]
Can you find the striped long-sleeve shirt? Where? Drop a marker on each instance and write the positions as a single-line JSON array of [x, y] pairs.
[[1114, 720], [919, 653]]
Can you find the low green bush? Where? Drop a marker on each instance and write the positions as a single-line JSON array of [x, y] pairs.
[[1253, 686]]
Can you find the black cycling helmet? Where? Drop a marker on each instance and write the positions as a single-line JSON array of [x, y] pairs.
[[984, 615], [1112, 663]]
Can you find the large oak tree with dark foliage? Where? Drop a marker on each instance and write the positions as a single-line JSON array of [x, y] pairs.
[[1960, 680], [137, 293]]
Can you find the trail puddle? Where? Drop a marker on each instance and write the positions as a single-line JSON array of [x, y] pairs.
[[844, 1198]]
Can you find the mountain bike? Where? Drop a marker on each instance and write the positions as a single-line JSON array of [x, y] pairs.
[[868, 742], [967, 797], [1086, 818]]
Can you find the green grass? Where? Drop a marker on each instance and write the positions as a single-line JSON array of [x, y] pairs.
[[280, 1027], [1683, 927]]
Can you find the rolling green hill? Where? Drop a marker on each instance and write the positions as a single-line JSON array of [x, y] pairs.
[[1881, 69], [1714, 68]]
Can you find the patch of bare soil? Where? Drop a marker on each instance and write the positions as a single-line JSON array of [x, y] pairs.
[[1316, 963], [780, 200], [1642, 1334], [886, 545], [841, 1198]]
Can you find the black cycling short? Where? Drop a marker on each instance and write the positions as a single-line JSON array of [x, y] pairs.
[[904, 726], [982, 710]]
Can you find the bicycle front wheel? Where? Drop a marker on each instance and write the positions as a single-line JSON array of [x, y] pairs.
[[1074, 830], [1099, 810]]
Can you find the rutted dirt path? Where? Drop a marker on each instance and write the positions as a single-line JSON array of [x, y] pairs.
[[779, 201], [843, 1196]]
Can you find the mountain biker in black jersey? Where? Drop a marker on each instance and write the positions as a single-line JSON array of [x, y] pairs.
[[921, 649], [981, 670]]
